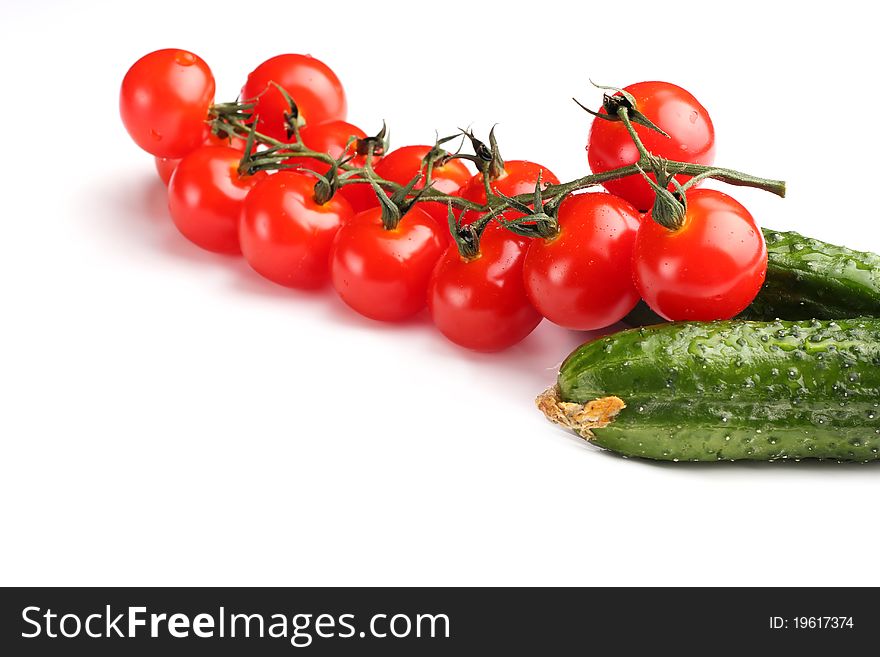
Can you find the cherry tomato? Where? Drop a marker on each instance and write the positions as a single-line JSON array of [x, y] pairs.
[[710, 268], [331, 138], [164, 102], [360, 196], [205, 196], [481, 303], [313, 86], [383, 274], [676, 112], [519, 177], [582, 277], [165, 166], [402, 164], [285, 234]]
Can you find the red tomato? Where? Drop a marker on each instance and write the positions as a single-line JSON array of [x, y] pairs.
[[285, 234], [313, 86], [205, 196], [401, 166], [676, 112], [481, 303], [582, 278], [710, 268], [331, 138], [383, 274], [165, 166], [164, 102], [519, 177], [360, 196]]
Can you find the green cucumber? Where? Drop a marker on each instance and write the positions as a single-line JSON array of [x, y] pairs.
[[806, 279], [697, 391]]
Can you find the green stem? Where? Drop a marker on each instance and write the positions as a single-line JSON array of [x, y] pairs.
[[729, 176], [230, 118], [623, 113]]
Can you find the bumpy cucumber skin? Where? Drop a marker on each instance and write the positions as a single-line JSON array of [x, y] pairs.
[[733, 390], [808, 278]]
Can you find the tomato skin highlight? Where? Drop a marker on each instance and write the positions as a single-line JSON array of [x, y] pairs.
[[314, 87], [285, 234], [481, 304], [164, 102], [673, 109], [582, 278], [205, 195], [520, 177], [402, 164], [383, 274], [711, 268]]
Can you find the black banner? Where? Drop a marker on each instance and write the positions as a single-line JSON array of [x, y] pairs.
[[418, 621]]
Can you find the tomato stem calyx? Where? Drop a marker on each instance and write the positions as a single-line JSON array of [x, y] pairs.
[[328, 183], [437, 156], [376, 145], [486, 158], [292, 119], [540, 218], [670, 208], [395, 207], [613, 104], [467, 236]]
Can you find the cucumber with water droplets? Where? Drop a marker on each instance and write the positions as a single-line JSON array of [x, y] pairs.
[[806, 279], [697, 391]]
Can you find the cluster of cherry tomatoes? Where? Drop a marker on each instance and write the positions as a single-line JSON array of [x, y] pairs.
[[605, 255]]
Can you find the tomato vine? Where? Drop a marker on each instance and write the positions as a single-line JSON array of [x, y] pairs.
[[539, 208]]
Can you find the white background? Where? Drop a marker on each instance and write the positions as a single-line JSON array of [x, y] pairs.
[[167, 417]]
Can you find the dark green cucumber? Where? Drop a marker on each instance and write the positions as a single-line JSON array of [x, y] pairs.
[[697, 391], [806, 279]]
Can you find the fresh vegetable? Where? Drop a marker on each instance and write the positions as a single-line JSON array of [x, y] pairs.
[[381, 269], [205, 197], [695, 391], [581, 276], [523, 241], [332, 137], [673, 110], [164, 102], [447, 176], [710, 267], [165, 166], [518, 177], [808, 278], [480, 302], [286, 233], [316, 91]]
